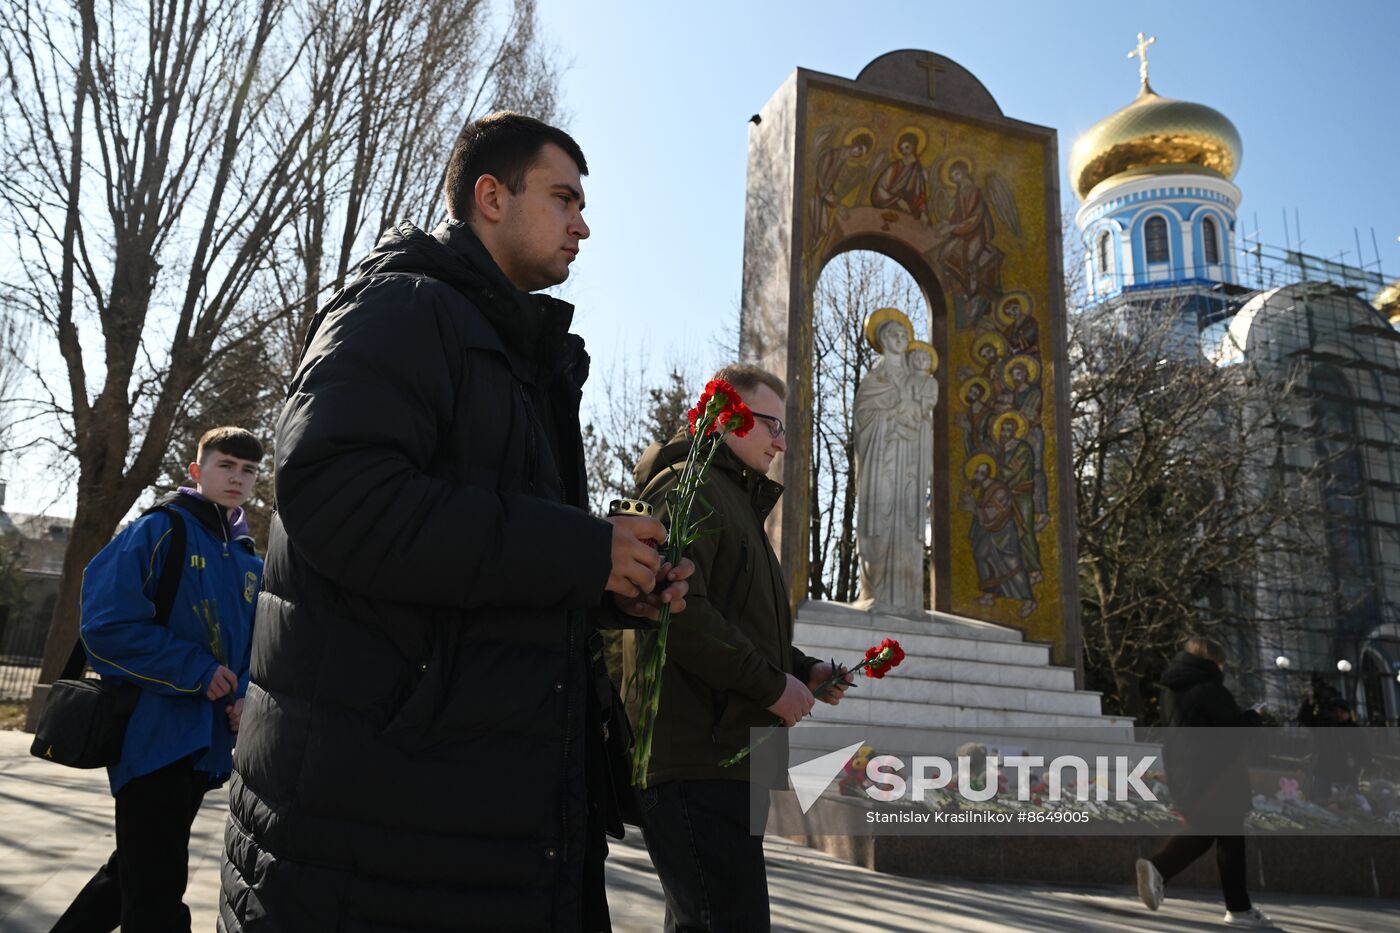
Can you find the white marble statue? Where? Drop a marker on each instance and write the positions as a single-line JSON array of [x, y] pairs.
[[894, 464], [922, 361]]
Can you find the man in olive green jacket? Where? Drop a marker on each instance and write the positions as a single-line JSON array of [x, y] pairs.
[[730, 667]]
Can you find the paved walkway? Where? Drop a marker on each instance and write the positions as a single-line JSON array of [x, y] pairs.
[[55, 830]]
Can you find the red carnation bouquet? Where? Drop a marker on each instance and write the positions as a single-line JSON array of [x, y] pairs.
[[719, 411], [879, 660]]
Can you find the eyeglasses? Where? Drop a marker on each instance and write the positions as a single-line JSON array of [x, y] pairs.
[[775, 425]]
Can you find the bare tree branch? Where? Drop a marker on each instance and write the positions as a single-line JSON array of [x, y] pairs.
[[169, 165]]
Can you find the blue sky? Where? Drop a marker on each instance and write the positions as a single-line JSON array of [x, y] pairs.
[[661, 93]]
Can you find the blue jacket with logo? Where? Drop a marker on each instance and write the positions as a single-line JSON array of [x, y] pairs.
[[211, 623]]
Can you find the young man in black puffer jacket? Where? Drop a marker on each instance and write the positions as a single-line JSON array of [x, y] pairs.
[[422, 747], [1208, 774]]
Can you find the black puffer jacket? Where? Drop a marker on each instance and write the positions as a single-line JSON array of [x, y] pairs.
[[1205, 758], [412, 750]]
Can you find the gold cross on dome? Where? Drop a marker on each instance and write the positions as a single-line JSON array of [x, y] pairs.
[[1140, 53]]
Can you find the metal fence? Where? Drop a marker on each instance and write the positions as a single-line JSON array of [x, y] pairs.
[[21, 652]]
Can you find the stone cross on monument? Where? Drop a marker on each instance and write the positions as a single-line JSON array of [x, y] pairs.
[[930, 65], [1140, 53]]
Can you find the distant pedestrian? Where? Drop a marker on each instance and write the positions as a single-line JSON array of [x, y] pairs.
[[1209, 780]]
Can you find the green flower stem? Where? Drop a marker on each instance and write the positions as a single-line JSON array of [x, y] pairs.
[[679, 501]]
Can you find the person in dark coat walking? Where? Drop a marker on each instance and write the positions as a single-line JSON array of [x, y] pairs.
[[1209, 779], [423, 742]]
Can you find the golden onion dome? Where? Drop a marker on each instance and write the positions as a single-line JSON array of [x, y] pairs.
[[1387, 302], [1155, 135]]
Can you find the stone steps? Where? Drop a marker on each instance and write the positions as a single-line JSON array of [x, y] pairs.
[[816, 737], [863, 710], [955, 626], [934, 640], [909, 687], [958, 674], [844, 646]]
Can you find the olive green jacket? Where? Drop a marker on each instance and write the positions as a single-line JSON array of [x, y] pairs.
[[728, 653]]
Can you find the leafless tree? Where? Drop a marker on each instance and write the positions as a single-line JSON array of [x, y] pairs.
[[161, 161], [1179, 496], [12, 592], [615, 437], [243, 387], [424, 69]]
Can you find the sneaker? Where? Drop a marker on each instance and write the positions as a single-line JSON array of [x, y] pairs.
[[1150, 887], [1254, 917]]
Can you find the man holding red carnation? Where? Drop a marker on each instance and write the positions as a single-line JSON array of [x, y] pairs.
[[730, 666]]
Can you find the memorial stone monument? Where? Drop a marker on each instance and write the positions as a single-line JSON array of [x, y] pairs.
[[915, 160]]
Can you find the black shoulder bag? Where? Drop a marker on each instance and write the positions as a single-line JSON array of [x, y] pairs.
[[83, 721]]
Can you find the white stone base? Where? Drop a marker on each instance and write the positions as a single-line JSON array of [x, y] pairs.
[[968, 679]]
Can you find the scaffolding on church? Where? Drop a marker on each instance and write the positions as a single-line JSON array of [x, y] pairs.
[[1262, 266], [1302, 331], [1355, 436]]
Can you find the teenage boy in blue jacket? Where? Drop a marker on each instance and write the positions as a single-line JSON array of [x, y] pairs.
[[192, 671]]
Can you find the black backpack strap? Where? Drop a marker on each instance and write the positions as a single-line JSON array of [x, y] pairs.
[[77, 660], [166, 585], [173, 565]]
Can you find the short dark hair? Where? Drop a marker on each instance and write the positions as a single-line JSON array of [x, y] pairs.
[[864, 139], [746, 377], [1208, 648], [505, 145], [236, 442]]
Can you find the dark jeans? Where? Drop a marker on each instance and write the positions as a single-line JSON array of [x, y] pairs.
[[1182, 850], [710, 867], [142, 886]]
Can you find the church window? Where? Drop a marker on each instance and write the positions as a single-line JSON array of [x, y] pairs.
[[1156, 235], [1210, 240], [1104, 253]]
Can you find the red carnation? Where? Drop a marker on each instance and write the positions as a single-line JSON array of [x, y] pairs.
[[883, 658], [716, 387], [742, 411], [739, 415], [722, 402]]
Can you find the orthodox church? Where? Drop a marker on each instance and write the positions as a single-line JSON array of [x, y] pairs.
[[1159, 224]]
